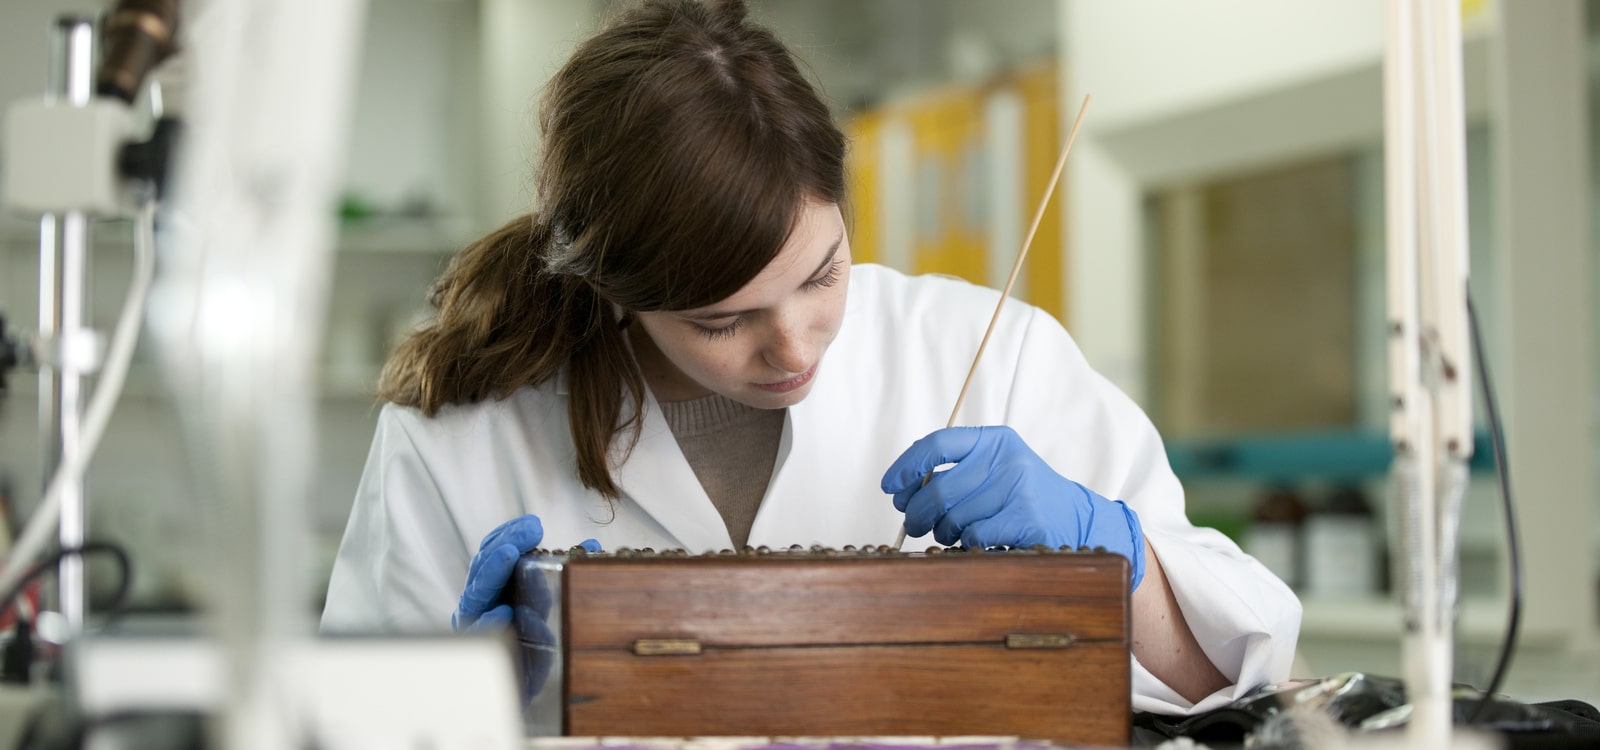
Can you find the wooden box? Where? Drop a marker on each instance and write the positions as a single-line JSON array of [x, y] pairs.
[[1027, 644]]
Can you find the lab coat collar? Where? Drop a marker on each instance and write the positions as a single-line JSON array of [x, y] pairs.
[[809, 440], [658, 479]]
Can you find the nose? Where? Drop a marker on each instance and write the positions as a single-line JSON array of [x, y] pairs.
[[788, 349]]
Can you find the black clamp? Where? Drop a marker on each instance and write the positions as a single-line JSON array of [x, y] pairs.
[[10, 353], [150, 160]]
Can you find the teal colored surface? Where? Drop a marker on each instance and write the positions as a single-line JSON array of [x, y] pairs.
[[1335, 456]]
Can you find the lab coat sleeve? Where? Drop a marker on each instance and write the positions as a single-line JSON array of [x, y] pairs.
[[1244, 618], [401, 563]]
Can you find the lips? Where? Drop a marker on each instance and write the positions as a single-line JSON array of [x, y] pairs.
[[785, 386]]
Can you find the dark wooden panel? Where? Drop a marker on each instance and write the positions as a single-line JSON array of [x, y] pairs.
[[782, 601], [1256, 295], [1078, 695]]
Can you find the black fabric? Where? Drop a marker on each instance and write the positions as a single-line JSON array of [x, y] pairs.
[[1364, 703]]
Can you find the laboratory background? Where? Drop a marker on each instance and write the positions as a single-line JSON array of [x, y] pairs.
[[1216, 248]]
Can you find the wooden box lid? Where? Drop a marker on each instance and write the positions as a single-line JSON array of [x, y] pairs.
[[803, 600]]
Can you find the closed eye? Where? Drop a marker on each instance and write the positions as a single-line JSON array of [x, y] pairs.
[[827, 279], [714, 333]]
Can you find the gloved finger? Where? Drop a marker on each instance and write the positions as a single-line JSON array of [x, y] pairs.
[[923, 507], [531, 590], [988, 532], [523, 532], [493, 537], [591, 545], [975, 506], [532, 629], [949, 445], [947, 532], [1022, 526], [538, 661], [494, 570], [1017, 525], [972, 481], [537, 664], [493, 620], [903, 497]]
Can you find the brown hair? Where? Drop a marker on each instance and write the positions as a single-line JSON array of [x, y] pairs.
[[680, 144]]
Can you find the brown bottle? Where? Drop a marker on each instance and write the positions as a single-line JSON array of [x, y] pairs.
[[1341, 546], [1276, 532]]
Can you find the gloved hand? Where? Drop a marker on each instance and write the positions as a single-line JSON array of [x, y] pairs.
[[532, 599], [480, 607], [484, 604], [1000, 493]]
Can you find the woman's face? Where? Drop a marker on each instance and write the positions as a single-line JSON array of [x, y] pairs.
[[762, 346]]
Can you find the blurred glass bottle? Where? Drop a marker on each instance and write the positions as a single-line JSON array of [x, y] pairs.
[[1342, 556], [1275, 532]]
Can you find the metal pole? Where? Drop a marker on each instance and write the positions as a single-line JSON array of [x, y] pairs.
[[63, 311]]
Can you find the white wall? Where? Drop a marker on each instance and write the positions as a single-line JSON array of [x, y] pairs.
[[1146, 59], [1545, 255], [415, 109], [521, 45], [873, 50], [1163, 76]]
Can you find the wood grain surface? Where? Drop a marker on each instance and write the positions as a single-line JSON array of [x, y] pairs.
[[799, 601], [1071, 696]]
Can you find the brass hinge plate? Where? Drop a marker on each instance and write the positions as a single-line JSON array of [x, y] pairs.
[[1040, 641], [666, 647]]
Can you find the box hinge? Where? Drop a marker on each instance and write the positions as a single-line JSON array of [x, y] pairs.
[[1040, 641], [666, 647]]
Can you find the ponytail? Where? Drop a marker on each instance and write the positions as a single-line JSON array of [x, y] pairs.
[[504, 322]]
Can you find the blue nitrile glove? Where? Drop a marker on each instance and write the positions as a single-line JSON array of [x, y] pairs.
[[536, 642], [1000, 493], [481, 607], [531, 601]]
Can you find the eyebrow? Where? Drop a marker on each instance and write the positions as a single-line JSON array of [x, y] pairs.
[[833, 251]]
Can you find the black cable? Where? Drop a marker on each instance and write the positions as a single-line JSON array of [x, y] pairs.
[[124, 581], [1513, 550], [16, 659], [10, 353]]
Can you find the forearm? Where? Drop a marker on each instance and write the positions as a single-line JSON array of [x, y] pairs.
[[1162, 641]]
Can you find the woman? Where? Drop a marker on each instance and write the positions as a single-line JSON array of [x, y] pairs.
[[675, 351]]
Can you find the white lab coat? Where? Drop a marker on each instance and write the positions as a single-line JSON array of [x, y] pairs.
[[432, 488]]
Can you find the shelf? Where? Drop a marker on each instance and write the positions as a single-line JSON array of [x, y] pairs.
[[144, 384], [404, 236], [367, 237], [21, 236], [1335, 455], [1377, 618]]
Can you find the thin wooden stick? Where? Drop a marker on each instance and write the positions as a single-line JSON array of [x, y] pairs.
[[1016, 269]]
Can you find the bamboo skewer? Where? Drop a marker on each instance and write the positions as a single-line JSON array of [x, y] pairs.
[[1016, 269]]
